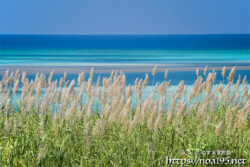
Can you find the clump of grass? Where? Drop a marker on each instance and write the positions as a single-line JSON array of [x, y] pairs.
[[56, 123]]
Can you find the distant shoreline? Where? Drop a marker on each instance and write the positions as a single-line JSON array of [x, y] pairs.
[[125, 68]]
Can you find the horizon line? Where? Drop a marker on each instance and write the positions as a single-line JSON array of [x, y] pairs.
[[130, 34]]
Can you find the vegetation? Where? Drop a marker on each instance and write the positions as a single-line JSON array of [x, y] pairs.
[[92, 124]]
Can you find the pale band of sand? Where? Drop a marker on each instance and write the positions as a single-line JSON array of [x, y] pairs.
[[125, 68]]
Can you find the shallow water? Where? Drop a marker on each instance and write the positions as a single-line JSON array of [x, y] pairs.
[[148, 49], [176, 51]]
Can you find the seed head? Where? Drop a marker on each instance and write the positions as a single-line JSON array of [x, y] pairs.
[[205, 70], [65, 77], [157, 122], [166, 75], [23, 80], [130, 91], [98, 81], [154, 70], [219, 128], [50, 78], [71, 86], [244, 82], [232, 74], [16, 86], [91, 73], [223, 73], [197, 72], [80, 79], [145, 83]]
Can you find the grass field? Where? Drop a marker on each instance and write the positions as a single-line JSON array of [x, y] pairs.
[[50, 122]]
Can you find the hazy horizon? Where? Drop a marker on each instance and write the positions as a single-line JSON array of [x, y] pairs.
[[129, 34]]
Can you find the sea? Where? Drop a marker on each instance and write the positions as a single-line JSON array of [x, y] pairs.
[[178, 51]]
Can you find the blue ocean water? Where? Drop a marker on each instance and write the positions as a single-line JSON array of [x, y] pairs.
[[126, 42], [108, 50], [148, 49], [175, 76]]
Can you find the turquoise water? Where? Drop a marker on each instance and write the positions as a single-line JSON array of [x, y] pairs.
[[109, 57], [90, 51], [112, 50]]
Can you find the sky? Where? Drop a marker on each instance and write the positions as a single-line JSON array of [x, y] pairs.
[[111, 17]]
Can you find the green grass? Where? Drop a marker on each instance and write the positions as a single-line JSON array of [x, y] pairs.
[[54, 123], [67, 142]]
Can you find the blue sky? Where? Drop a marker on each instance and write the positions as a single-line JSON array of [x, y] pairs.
[[124, 16]]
